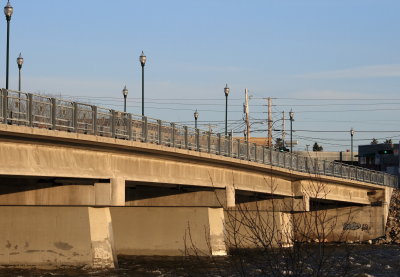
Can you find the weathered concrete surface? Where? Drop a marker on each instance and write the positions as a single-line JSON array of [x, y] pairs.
[[55, 236], [257, 229], [287, 204], [340, 225], [328, 191], [167, 197], [44, 194], [168, 230], [38, 192]]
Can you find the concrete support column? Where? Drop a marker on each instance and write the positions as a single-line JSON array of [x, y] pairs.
[[110, 194], [117, 192], [216, 221], [102, 238], [230, 197]]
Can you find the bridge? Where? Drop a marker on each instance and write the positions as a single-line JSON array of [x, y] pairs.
[[80, 184]]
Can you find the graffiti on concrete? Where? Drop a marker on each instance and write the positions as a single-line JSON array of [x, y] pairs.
[[355, 226]]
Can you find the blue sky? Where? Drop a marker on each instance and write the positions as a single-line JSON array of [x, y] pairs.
[[293, 51]]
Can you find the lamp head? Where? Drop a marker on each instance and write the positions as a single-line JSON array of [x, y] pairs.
[[125, 92], [20, 61], [291, 115], [8, 11], [142, 59], [226, 90], [196, 115], [352, 132]]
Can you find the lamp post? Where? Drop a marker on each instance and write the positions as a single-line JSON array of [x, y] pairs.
[[352, 135], [125, 94], [226, 91], [8, 11], [142, 60], [291, 116], [196, 116]]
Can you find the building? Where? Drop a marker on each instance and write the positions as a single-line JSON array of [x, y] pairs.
[[382, 157], [344, 157]]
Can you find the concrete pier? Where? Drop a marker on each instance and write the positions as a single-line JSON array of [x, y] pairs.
[[56, 236]]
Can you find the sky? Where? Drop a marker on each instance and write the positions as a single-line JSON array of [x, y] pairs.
[[334, 63]]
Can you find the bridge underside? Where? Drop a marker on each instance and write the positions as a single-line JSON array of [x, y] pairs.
[[172, 193]]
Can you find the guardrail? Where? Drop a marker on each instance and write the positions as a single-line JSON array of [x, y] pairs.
[[57, 114]]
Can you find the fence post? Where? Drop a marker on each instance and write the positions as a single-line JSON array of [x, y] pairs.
[[173, 134], [238, 148], [159, 123], [30, 109], [5, 105], [209, 142], [263, 154], [113, 123], [230, 146], [198, 139], [248, 150], [185, 128], [219, 144], [75, 121], [144, 129], [94, 119], [271, 156], [283, 155], [129, 118], [53, 113]]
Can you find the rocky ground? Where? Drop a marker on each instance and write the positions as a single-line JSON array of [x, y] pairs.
[[393, 224]]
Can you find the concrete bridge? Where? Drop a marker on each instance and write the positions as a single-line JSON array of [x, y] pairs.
[[80, 184]]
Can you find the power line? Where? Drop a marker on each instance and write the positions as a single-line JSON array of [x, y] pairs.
[[339, 99], [341, 131]]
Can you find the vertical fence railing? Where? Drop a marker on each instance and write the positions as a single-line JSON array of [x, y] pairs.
[[19, 108]]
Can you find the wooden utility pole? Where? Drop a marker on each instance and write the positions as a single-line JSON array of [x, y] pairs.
[[246, 110], [269, 121]]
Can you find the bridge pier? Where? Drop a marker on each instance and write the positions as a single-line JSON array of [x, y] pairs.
[[56, 236], [171, 231]]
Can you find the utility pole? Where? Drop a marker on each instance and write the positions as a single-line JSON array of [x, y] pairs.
[[246, 110], [269, 121]]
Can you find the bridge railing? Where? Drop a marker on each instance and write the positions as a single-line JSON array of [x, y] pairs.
[[57, 114]]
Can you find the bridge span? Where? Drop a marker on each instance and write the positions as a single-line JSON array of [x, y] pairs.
[[80, 184]]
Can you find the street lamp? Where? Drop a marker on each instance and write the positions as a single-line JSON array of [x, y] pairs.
[[196, 116], [142, 60], [226, 91], [125, 94], [8, 11], [352, 135], [291, 116]]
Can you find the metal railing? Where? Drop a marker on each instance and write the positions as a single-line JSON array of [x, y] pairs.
[[40, 111]]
